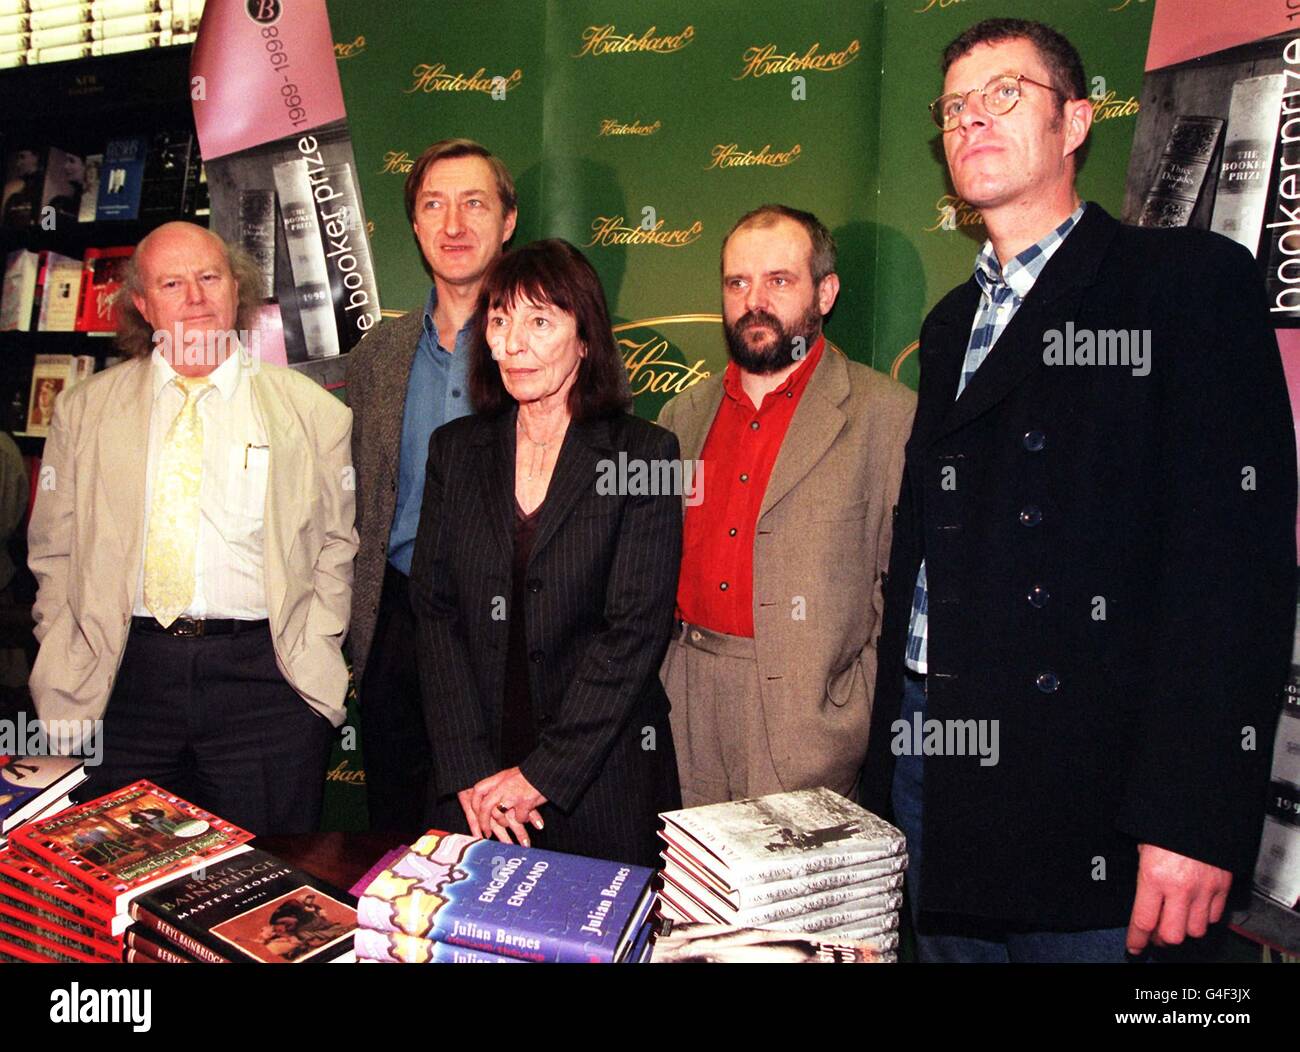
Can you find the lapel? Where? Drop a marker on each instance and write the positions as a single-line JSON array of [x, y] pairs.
[[574, 475], [288, 481], [1052, 301], [693, 425], [816, 422], [124, 453], [390, 379]]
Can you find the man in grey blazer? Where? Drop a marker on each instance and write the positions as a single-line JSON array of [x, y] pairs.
[[406, 379], [779, 598]]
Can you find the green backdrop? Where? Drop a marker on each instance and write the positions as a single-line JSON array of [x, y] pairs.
[[680, 116]]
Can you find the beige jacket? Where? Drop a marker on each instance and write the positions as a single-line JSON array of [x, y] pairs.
[[86, 536], [820, 549]]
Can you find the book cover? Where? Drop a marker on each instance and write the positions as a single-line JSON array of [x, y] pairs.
[[90, 188], [121, 179], [24, 179], [1241, 196], [170, 172], [51, 376], [129, 841], [882, 873], [1180, 175], [30, 784], [504, 898], [251, 908], [65, 181], [101, 277], [352, 280], [780, 836], [257, 235], [392, 947], [60, 283], [18, 299]]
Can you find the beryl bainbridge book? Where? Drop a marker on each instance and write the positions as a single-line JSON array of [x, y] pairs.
[[125, 843], [251, 908], [516, 901]]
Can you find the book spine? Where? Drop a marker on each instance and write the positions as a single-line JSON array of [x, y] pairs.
[[871, 919], [307, 259], [1180, 175], [886, 876], [58, 866], [135, 940], [801, 866], [1242, 194], [257, 235], [1282, 232], [754, 918], [177, 937]]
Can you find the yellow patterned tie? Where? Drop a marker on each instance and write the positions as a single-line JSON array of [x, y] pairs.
[[174, 516]]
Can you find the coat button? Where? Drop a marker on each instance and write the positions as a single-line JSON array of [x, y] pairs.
[[1047, 682], [1038, 596], [1031, 515], [1035, 441], [534, 585], [535, 657]]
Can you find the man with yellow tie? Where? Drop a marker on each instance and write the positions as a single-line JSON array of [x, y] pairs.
[[193, 539]]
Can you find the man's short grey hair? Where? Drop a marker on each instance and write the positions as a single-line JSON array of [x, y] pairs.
[[823, 244]]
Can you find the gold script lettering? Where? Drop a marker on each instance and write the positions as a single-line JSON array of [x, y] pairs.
[[611, 230], [762, 60], [649, 371], [430, 78], [400, 163], [726, 155], [348, 50], [1109, 106], [603, 40], [953, 212]]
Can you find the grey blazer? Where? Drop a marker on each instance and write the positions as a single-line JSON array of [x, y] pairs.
[[378, 371]]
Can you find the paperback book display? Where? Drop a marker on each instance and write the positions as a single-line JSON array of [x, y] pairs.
[[808, 862], [452, 898], [33, 31]]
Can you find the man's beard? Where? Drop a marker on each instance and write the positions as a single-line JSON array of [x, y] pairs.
[[790, 346]]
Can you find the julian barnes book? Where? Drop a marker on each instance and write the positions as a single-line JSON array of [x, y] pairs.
[[780, 837], [251, 908], [885, 872], [504, 898], [1241, 197], [128, 842], [30, 784], [1180, 175], [392, 947]]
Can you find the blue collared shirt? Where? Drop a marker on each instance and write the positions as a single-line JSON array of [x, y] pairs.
[[1002, 291], [437, 392]]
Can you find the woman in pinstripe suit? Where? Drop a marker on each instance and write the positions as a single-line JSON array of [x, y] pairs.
[[543, 584]]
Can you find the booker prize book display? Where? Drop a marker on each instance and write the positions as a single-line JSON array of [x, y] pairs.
[[143, 876]]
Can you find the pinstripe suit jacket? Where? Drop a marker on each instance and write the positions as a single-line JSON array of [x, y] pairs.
[[602, 580], [379, 369]]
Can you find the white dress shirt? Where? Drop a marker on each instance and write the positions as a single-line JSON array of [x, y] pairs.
[[228, 580]]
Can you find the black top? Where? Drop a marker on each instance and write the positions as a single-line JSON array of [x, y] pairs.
[[518, 727]]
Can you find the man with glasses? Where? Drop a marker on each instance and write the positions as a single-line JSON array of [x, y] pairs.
[[1094, 553]]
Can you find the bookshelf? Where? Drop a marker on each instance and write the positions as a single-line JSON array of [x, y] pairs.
[[78, 106]]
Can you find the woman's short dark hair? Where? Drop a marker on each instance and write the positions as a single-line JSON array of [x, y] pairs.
[[551, 272]]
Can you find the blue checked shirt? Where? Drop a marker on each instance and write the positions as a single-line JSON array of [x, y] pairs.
[[1004, 290]]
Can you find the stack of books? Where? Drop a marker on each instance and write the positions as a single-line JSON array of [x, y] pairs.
[[807, 862], [452, 898], [145, 876]]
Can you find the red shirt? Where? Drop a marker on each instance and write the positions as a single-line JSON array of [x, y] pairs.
[[716, 586]]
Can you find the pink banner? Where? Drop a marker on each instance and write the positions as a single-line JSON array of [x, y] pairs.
[[262, 70]]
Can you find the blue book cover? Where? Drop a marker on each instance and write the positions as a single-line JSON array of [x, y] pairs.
[[29, 783], [523, 902], [392, 947], [121, 179]]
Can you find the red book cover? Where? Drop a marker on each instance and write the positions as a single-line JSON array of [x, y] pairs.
[[131, 840], [101, 277], [48, 914], [46, 948]]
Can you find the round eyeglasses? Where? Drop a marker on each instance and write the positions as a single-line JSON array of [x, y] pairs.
[[1000, 96]]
